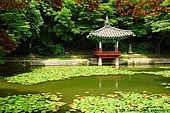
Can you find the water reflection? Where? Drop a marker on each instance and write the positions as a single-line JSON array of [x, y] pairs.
[[114, 78]]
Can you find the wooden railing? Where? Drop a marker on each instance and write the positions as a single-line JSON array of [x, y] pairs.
[[107, 54]]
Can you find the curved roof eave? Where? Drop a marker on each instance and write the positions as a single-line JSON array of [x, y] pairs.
[[108, 32]]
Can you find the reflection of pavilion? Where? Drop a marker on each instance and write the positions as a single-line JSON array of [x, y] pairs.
[[108, 34], [115, 78]]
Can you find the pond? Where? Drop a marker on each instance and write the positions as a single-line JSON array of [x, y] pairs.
[[92, 85]]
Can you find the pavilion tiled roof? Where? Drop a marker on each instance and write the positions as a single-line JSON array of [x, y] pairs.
[[108, 32]]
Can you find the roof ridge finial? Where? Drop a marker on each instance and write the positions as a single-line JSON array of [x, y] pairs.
[[107, 20]]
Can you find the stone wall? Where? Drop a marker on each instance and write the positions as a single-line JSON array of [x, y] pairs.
[[51, 62]]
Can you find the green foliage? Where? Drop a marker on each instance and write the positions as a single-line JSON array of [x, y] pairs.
[[44, 49], [166, 85], [2, 62], [49, 50], [24, 25], [139, 30], [44, 102], [40, 26], [59, 49], [16, 24], [63, 24], [122, 102], [161, 26], [57, 24], [165, 73], [144, 48], [166, 3], [63, 72], [91, 20], [137, 26], [33, 15], [2, 54]]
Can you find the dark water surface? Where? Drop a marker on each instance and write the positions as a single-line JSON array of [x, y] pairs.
[[94, 85]]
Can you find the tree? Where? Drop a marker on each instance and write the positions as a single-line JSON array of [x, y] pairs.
[[55, 4], [89, 4], [33, 16], [148, 17], [16, 4], [21, 19], [160, 24], [6, 42], [140, 8]]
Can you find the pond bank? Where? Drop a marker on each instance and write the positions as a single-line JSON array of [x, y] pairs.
[[47, 62], [140, 61], [134, 61], [90, 61]]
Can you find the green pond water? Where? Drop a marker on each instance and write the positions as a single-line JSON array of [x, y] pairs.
[[94, 85]]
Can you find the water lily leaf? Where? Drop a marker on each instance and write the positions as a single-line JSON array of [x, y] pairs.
[[130, 101], [30, 103], [64, 72]]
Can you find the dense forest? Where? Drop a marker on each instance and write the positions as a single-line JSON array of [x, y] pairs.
[[52, 27]]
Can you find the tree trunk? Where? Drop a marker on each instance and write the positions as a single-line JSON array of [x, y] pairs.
[[160, 42]]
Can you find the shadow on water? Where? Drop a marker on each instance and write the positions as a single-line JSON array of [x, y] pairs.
[[6, 71], [10, 92]]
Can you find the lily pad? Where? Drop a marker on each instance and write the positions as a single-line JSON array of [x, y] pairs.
[[122, 102], [44, 102], [64, 72]]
